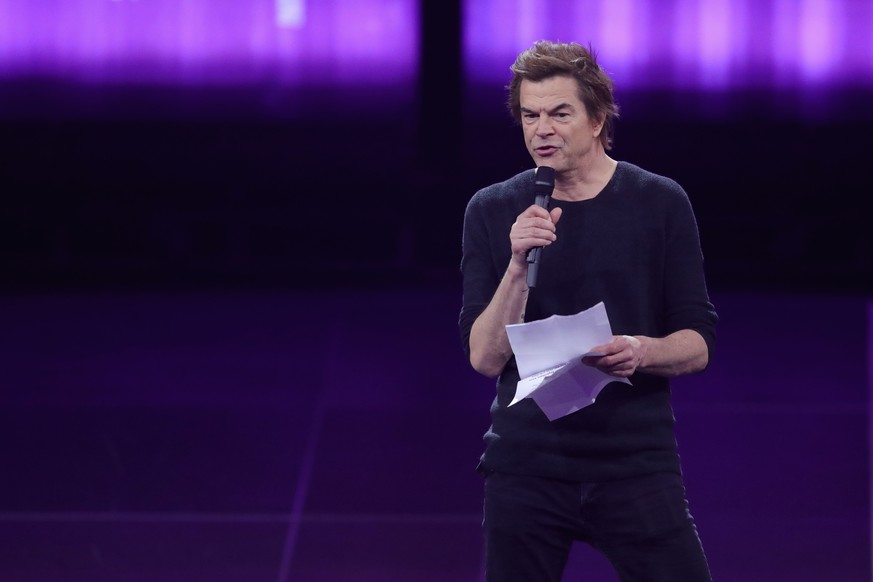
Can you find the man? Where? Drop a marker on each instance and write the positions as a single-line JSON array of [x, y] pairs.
[[608, 474]]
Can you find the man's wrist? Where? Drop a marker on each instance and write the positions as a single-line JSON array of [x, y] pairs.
[[644, 344], [516, 271]]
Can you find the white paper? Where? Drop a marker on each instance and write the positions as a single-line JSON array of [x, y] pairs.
[[549, 356]]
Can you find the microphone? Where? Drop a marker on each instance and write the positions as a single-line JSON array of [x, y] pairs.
[[544, 183]]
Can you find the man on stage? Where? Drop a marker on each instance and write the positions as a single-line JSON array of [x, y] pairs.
[[608, 474]]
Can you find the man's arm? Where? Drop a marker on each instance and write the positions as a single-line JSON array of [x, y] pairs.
[[489, 344], [682, 352]]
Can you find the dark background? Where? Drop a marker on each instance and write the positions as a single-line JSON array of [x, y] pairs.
[[780, 204], [148, 186], [229, 345]]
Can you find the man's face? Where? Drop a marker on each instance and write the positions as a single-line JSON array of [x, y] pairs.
[[557, 129]]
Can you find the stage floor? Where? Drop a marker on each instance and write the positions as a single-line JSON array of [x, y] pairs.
[[289, 436]]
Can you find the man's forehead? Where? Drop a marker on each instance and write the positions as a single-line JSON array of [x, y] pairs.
[[549, 92]]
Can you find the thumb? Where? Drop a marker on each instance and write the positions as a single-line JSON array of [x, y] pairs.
[[556, 214]]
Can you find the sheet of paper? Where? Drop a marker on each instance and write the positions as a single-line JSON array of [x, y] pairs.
[[549, 356]]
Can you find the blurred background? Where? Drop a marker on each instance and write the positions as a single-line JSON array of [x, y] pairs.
[[230, 239]]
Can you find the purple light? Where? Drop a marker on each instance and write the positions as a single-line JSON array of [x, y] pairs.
[[785, 45], [819, 36], [290, 13], [695, 44], [620, 28], [682, 51], [196, 42], [716, 42]]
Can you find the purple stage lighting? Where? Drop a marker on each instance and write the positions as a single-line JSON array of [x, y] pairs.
[[707, 45], [211, 42]]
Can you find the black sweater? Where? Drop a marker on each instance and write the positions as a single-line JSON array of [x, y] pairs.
[[635, 247]]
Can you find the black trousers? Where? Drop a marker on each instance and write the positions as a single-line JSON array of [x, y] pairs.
[[641, 525]]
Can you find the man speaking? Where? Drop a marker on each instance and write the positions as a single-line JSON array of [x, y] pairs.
[[608, 474]]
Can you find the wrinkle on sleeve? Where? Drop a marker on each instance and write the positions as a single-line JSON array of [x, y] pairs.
[[687, 300], [480, 277]]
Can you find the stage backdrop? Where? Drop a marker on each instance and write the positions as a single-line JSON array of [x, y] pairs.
[[809, 49]]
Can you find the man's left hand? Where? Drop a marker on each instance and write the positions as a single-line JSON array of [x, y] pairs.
[[621, 357]]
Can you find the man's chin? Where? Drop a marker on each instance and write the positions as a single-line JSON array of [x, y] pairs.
[[549, 161]]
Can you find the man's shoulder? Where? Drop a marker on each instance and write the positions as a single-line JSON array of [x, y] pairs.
[[636, 179], [507, 190]]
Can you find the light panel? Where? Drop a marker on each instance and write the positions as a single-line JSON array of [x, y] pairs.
[[684, 44], [205, 42]]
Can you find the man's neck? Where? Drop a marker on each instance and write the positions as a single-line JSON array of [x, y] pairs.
[[585, 182]]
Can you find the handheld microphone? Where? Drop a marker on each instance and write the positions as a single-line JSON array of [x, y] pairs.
[[544, 183]]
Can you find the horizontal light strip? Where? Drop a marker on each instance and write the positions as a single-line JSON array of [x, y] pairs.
[[188, 517], [685, 44], [284, 42]]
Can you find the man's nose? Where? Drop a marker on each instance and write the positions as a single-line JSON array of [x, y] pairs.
[[544, 125]]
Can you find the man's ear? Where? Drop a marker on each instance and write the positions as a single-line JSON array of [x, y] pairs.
[[597, 126]]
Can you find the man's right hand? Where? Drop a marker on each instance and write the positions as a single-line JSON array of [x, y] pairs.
[[489, 344], [535, 227]]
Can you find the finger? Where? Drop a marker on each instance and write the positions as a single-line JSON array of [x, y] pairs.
[[619, 371], [607, 349], [524, 223], [556, 214], [536, 211], [541, 220], [606, 362], [591, 361], [533, 235]]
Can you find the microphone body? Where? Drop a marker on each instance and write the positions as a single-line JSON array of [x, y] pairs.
[[544, 184]]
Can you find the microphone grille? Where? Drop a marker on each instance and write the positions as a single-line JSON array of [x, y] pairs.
[[544, 178]]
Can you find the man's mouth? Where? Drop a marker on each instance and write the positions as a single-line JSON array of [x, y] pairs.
[[545, 150]]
